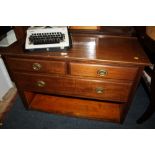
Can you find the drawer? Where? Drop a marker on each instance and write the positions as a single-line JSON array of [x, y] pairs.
[[44, 83], [103, 71], [95, 89], [104, 89], [40, 66]]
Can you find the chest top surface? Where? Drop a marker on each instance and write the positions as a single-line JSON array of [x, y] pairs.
[[109, 49]]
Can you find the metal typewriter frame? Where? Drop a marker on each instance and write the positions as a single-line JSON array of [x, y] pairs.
[[48, 47]]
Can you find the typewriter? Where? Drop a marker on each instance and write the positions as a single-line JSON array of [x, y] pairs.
[[48, 38]]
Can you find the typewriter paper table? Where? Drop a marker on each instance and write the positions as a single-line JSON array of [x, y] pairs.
[[94, 79]]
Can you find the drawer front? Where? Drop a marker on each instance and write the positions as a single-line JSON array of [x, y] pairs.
[[40, 66], [103, 71], [95, 89], [104, 89], [44, 83]]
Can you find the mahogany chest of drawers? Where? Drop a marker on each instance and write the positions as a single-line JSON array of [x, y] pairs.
[[95, 79]]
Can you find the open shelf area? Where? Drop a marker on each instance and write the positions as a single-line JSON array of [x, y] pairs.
[[74, 106]]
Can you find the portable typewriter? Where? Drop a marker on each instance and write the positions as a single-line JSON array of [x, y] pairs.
[[47, 38]]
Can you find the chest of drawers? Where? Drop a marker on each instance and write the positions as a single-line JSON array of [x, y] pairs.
[[94, 79]]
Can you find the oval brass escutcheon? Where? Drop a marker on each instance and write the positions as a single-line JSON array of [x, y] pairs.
[[99, 90], [41, 83], [36, 66], [102, 72]]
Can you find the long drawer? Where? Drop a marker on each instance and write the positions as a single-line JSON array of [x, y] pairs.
[[103, 71], [38, 66], [87, 88]]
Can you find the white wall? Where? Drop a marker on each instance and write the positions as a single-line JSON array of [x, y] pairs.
[[5, 81]]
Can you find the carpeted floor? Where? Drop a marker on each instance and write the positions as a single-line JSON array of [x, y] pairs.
[[19, 118]]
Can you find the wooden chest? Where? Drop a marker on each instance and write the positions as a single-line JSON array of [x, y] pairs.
[[95, 79]]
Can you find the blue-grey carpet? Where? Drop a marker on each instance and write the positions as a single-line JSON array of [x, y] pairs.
[[19, 118]]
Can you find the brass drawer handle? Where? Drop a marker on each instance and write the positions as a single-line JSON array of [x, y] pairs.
[[102, 72], [41, 83], [99, 90], [36, 66]]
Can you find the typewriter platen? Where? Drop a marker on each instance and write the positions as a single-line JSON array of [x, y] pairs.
[[48, 38]]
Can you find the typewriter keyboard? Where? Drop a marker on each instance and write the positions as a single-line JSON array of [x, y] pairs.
[[46, 38]]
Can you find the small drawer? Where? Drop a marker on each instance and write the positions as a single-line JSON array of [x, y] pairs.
[[41, 66], [104, 89], [44, 83], [103, 71]]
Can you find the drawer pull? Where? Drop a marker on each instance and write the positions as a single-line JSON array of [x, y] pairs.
[[41, 83], [102, 72], [36, 66], [99, 90]]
